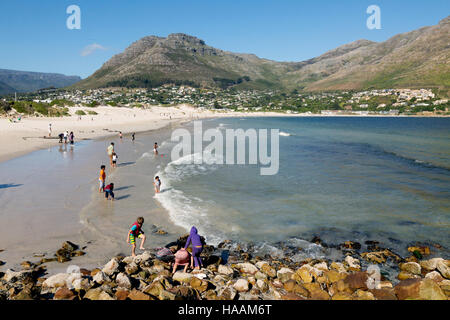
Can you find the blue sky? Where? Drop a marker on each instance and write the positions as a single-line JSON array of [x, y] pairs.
[[34, 36]]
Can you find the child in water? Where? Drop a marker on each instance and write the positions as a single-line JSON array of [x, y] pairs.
[[136, 232], [157, 184], [155, 148], [114, 160], [109, 191], [102, 179]]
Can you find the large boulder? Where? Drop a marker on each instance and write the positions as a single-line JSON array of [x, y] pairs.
[[443, 268], [411, 267], [97, 294], [284, 274], [182, 277], [268, 270], [417, 289], [64, 294], [111, 267], [430, 290], [13, 276], [225, 270], [241, 285], [138, 295], [303, 274], [56, 281], [431, 264], [353, 264], [100, 277], [247, 267], [357, 280], [123, 281]]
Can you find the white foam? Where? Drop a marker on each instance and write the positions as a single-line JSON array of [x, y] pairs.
[[187, 211], [284, 134]]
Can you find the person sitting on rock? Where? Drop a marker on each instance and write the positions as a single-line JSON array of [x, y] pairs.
[[181, 259]]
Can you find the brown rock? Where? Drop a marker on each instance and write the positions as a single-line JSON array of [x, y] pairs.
[[210, 295], [268, 270], [430, 290], [319, 295], [64, 294], [304, 275], [138, 295], [363, 295], [357, 280], [341, 296], [411, 267], [298, 289], [403, 275], [122, 294], [289, 285], [407, 289], [334, 276], [291, 296], [422, 250], [384, 294], [200, 285], [85, 272], [95, 271]]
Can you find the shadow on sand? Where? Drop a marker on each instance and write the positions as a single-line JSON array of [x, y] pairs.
[[123, 164], [123, 188], [9, 185], [122, 197]]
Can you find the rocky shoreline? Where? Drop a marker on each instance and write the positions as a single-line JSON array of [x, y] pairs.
[[233, 271]]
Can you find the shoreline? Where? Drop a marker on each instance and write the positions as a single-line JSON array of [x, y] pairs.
[[31, 133]]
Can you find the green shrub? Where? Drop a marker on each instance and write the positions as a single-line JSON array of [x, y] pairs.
[[80, 113], [92, 112]]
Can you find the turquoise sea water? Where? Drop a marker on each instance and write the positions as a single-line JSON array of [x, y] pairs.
[[342, 178]]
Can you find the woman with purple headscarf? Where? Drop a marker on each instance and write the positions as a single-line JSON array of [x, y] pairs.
[[197, 248]]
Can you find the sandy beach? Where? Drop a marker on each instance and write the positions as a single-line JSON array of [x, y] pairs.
[[31, 133]]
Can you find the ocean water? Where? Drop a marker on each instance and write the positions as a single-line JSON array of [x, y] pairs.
[[341, 178]]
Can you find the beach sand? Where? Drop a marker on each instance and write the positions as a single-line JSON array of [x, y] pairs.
[[31, 133]]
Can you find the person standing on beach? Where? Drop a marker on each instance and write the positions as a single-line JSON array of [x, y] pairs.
[[114, 160], [157, 184], [71, 137], [102, 179], [197, 248], [136, 232], [49, 130], [132, 136], [66, 133], [155, 148], [110, 152]]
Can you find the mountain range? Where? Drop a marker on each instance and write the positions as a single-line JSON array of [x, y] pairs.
[[420, 58], [24, 81]]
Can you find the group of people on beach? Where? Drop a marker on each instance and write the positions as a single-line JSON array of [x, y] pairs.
[[182, 257], [66, 136]]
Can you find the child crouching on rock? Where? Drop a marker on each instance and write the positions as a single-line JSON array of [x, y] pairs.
[[136, 232], [182, 258]]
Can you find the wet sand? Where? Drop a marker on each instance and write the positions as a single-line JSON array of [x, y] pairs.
[[50, 196]]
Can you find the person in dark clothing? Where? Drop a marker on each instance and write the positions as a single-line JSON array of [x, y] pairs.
[[197, 248], [61, 136]]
